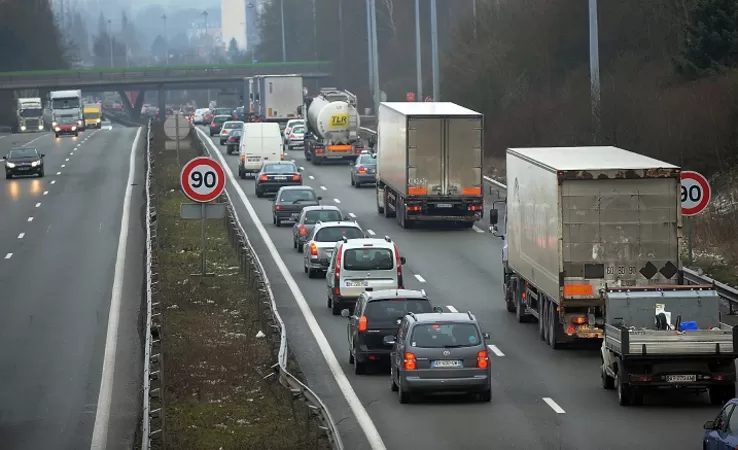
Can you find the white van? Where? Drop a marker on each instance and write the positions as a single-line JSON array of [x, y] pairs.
[[260, 142]]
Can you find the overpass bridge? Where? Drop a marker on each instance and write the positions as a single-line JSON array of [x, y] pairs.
[[159, 78]]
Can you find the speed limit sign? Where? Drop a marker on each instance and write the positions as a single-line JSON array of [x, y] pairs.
[[695, 193], [202, 179]]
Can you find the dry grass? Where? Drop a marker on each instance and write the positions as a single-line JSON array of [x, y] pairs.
[[214, 365]]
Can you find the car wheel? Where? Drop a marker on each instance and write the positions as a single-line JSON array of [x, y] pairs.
[[312, 273], [351, 357], [393, 386], [357, 185], [56, 135], [300, 247], [359, 367], [485, 396], [608, 382], [336, 309], [402, 395], [8, 176], [41, 174], [330, 301], [294, 243], [352, 182], [277, 221]]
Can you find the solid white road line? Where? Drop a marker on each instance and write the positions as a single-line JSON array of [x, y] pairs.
[[371, 232], [362, 417], [34, 140], [352, 215], [419, 278], [495, 350], [30, 219], [452, 309], [20, 236], [8, 256], [104, 400], [337, 200], [550, 402], [477, 229]]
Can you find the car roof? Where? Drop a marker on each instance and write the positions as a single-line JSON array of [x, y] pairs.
[[359, 243], [321, 208], [444, 317], [337, 223], [384, 294], [296, 188]]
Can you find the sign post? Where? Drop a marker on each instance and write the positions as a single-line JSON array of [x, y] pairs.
[[203, 180], [696, 195], [176, 129]]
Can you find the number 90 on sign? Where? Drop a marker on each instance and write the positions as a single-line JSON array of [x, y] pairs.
[[203, 180]]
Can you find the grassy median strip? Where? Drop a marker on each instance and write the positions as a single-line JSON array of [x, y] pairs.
[[216, 352]]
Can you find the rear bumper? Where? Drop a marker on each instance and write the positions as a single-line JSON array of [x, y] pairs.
[[368, 178], [295, 144], [363, 354], [286, 215], [266, 186], [474, 383], [315, 264]]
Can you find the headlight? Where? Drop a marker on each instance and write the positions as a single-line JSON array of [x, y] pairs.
[[10, 165], [74, 128], [35, 163], [79, 122], [53, 124], [57, 129], [23, 128], [98, 120], [40, 127]]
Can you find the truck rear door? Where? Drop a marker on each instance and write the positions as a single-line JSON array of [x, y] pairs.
[[425, 138], [463, 157]]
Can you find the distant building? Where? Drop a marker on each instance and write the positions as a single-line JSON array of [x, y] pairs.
[[233, 22]]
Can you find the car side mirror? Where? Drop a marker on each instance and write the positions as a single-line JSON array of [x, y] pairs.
[[345, 313], [493, 216], [389, 340], [486, 336], [437, 309], [403, 260], [300, 169], [320, 198], [43, 155], [709, 425]]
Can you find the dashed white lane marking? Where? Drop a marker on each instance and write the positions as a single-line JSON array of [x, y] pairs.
[[8, 256], [30, 219], [324, 188], [419, 278], [352, 215], [20, 236], [64, 165], [311, 177], [38, 205], [477, 229], [550, 402], [54, 181], [452, 309], [371, 232], [58, 173], [337, 200], [495, 350], [46, 192], [302, 168], [66, 159]]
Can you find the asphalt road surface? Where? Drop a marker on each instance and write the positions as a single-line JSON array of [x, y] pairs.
[[541, 398], [58, 251]]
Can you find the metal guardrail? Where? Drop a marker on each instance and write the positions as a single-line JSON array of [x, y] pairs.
[[152, 427], [726, 292], [257, 277]]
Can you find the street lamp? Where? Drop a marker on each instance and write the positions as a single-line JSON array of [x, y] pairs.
[[166, 39], [110, 39], [284, 43], [207, 50]]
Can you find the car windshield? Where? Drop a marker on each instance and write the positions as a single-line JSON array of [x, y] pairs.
[[368, 259], [395, 308], [233, 126], [324, 215], [298, 195], [23, 153], [445, 335], [367, 160], [335, 234], [66, 120], [280, 168]]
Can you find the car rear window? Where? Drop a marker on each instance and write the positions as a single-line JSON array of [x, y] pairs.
[[442, 335], [368, 259], [396, 308], [294, 195], [335, 234], [234, 126], [298, 130], [329, 215], [367, 160], [280, 168]]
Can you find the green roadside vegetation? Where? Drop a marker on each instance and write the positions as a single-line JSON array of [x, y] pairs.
[[216, 394], [163, 68]]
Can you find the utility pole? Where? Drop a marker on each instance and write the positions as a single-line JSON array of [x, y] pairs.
[[207, 41], [110, 39], [341, 48], [166, 39], [284, 41], [434, 51], [315, 32], [594, 71], [474, 15], [375, 51], [370, 47], [418, 55]]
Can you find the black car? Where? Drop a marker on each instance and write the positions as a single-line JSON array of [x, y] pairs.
[[233, 141], [273, 176], [24, 161], [217, 124], [378, 314], [290, 200], [239, 114]]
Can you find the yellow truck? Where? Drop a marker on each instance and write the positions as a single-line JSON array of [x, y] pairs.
[[92, 115]]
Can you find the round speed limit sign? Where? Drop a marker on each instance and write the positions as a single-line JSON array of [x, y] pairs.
[[202, 179], [695, 193]]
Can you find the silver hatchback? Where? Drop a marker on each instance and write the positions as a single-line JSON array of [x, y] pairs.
[[321, 243], [439, 352]]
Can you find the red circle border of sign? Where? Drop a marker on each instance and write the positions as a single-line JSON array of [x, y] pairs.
[[428, 100], [702, 181], [185, 174]]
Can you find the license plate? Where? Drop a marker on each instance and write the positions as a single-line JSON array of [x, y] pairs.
[[357, 283], [24, 168], [444, 205], [293, 216], [253, 159], [280, 178], [444, 363], [681, 378]]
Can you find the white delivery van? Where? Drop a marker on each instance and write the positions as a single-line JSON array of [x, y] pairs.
[[260, 142]]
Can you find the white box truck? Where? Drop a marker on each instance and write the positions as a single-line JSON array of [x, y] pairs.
[[578, 222], [429, 163], [278, 97], [29, 116]]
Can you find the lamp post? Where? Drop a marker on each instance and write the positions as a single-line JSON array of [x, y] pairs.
[[284, 42], [110, 39], [418, 56], [594, 70], [207, 49], [166, 39]]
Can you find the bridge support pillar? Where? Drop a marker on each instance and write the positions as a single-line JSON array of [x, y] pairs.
[[162, 102], [134, 111]]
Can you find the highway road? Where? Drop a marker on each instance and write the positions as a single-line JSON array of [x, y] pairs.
[[541, 398], [58, 247]]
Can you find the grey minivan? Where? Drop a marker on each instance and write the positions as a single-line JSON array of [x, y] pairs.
[[439, 352]]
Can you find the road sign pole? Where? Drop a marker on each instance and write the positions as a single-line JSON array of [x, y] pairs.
[[690, 246], [176, 126], [203, 217]]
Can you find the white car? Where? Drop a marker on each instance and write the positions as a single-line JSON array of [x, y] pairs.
[[199, 117], [288, 128]]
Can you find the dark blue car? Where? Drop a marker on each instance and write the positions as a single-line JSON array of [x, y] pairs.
[[722, 433]]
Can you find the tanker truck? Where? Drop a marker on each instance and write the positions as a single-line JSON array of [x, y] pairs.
[[332, 127]]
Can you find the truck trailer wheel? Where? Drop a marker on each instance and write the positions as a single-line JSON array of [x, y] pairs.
[[519, 307], [388, 213], [608, 382]]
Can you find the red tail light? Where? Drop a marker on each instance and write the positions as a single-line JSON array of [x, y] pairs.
[[410, 361], [303, 231], [482, 359], [338, 265], [296, 177], [362, 324], [400, 284], [313, 249], [263, 178], [362, 169], [292, 136]]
